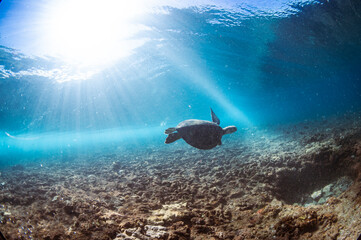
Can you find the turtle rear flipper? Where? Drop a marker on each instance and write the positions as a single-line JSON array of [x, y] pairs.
[[170, 130], [172, 137]]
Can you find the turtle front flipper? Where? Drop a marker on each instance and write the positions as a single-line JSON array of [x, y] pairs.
[[170, 130], [172, 137]]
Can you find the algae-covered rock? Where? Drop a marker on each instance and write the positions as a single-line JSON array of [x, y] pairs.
[[327, 190], [316, 195]]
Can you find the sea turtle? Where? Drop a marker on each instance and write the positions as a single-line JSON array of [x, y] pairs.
[[199, 133]]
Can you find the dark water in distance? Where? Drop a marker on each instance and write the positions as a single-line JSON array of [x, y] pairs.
[[252, 69]]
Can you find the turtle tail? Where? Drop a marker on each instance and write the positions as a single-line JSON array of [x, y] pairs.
[[172, 138]]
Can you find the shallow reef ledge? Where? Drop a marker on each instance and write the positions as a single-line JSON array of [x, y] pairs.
[[300, 181]]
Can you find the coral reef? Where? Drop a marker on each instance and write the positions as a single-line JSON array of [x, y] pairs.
[[300, 181]]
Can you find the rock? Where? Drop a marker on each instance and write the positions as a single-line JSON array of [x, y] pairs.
[[201, 229], [128, 224], [316, 195], [276, 203], [309, 201], [179, 231], [327, 190], [169, 213], [341, 185], [156, 231], [198, 220], [236, 194], [292, 226], [322, 200]]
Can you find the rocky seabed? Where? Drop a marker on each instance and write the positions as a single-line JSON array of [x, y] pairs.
[[300, 181]]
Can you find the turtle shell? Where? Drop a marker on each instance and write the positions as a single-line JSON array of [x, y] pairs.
[[200, 134]]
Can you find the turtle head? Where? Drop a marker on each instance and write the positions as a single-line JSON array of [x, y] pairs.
[[229, 129]]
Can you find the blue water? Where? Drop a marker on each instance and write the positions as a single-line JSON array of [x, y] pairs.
[[253, 64]]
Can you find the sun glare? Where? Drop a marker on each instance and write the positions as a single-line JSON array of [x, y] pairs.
[[91, 32]]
